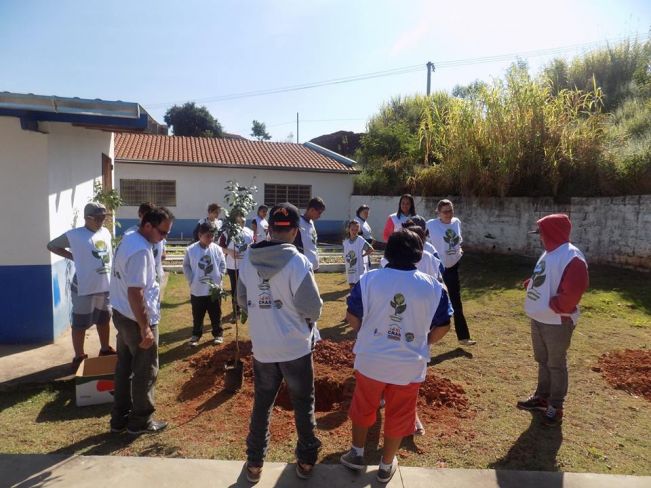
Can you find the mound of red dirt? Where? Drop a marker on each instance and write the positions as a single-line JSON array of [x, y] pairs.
[[441, 402], [628, 370]]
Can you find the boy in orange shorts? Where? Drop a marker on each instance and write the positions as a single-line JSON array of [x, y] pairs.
[[397, 312]]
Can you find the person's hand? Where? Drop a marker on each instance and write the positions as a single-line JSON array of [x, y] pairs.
[[526, 282], [147, 337], [567, 320]]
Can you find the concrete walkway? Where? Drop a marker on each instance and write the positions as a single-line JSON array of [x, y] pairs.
[[22, 471]]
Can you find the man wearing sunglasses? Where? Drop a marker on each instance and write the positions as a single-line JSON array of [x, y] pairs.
[[90, 249], [135, 296]]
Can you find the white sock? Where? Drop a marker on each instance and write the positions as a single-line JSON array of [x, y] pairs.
[[387, 467], [359, 451]]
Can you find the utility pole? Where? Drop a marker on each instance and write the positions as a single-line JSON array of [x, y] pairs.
[[430, 70], [296, 127]]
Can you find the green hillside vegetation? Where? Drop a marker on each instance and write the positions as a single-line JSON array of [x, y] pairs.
[[578, 128]]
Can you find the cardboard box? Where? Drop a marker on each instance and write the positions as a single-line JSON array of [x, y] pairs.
[[94, 380]]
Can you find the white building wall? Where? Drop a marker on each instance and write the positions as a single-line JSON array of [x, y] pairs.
[[196, 187], [23, 195]]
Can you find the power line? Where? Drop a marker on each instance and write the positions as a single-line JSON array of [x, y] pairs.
[[404, 70]]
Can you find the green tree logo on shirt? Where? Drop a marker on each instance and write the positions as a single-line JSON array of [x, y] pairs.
[[399, 304], [351, 258], [101, 252], [452, 240], [537, 279]]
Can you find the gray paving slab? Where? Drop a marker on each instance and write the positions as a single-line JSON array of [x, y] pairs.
[[48, 471]]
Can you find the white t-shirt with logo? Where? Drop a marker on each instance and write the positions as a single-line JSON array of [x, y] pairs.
[[208, 266], [544, 283], [399, 307], [135, 267], [240, 245], [277, 331], [356, 264], [262, 229], [309, 238], [447, 240], [92, 253]]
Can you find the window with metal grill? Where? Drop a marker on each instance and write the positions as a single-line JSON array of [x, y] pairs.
[[298, 195], [158, 192]]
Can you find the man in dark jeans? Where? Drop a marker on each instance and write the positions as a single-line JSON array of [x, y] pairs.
[[135, 296], [277, 289]]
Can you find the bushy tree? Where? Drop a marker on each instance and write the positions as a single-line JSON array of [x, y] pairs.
[[259, 131], [190, 120]]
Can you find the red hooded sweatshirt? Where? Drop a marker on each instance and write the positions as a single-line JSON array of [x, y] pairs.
[[555, 230]]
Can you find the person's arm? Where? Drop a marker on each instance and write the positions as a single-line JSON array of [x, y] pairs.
[[222, 262], [187, 268], [388, 229], [136, 298], [223, 239], [368, 249], [163, 255], [441, 321], [574, 283], [241, 294], [298, 242], [355, 310], [307, 300], [58, 246]]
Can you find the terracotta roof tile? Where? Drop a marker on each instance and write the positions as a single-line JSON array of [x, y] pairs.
[[224, 152]]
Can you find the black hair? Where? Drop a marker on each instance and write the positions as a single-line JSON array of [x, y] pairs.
[[412, 205], [145, 207], [262, 207], [361, 209], [443, 203], [156, 215], [206, 228], [404, 249], [213, 207], [316, 203], [416, 230], [415, 221]]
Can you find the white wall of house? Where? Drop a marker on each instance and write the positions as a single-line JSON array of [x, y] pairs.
[[23, 195], [196, 187]]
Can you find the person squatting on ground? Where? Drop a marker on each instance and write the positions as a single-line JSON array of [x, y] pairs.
[[91, 250], [259, 224], [356, 252], [553, 294], [212, 217], [306, 239], [445, 234], [406, 210], [159, 248], [204, 266], [397, 313], [278, 292], [135, 295], [234, 247]]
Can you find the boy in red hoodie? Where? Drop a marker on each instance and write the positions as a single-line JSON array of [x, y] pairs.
[[553, 293]]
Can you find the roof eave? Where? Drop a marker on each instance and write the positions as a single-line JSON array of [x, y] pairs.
[[232, 165]]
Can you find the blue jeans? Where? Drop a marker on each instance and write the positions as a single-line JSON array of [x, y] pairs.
[[299, 376]]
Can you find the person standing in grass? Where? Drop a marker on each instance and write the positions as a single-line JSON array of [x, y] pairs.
[[259, 225], [552, 303], [361, 216], [445, 235], [406, 210], [307, 240], [397, 313], [278, 292], [356, 251], [234, 248], [91, 251], [135, 295], [204, 266]]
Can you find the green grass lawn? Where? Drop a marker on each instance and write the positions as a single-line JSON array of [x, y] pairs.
[[604, 430]]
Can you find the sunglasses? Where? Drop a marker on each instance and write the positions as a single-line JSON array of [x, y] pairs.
[[163, 233]]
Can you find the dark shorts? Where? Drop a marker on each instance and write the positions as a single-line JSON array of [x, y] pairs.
[[90, 309]]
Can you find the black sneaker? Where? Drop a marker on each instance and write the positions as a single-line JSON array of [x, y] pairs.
[[552, 417], [532, 403], [118, 429], [352, 460], [304, 470], [153, 427], [253, 473], [385, 475], [76, 362]]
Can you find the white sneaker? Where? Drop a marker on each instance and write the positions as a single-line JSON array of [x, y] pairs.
[[194, 341], [467, 342], [218, 340]]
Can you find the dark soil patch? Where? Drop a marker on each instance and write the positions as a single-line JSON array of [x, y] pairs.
[[628, 370], [441, 404]]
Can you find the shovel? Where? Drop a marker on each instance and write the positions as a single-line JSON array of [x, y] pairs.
[[234, 368]]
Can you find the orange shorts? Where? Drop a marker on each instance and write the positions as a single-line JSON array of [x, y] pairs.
[[399, 405]]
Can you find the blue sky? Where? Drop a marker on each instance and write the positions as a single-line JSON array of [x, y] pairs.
[[159, 52]]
